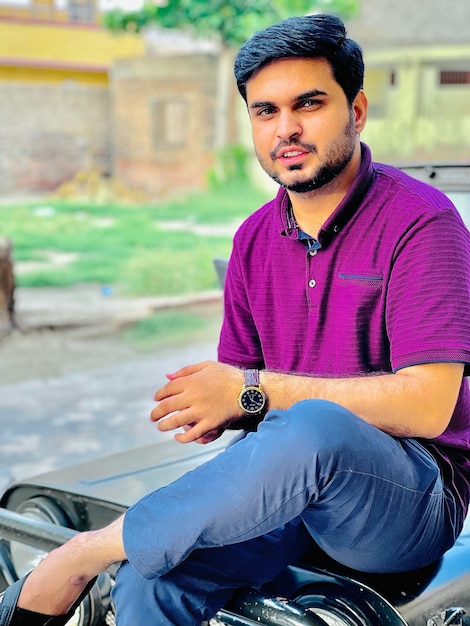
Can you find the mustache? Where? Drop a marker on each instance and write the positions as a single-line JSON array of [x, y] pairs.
[[292, 143]]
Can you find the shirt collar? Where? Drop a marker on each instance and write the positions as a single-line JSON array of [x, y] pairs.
[[343, 212]]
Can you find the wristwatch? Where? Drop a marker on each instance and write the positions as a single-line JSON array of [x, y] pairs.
[[252, 398]]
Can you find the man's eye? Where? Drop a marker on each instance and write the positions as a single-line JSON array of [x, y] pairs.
[[309, 103], [266, 111]]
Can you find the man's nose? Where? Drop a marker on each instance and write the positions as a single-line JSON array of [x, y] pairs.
[[288, 125]]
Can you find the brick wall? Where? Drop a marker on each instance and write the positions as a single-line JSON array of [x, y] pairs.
[[164, 119], [48, 132], [153, 128]]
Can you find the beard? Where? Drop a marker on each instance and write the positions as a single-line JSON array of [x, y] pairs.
[[338, 155]]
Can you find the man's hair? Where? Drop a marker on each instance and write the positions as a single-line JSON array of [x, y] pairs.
[[313, 36]]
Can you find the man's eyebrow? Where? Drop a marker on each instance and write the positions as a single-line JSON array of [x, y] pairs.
[[313, 93], [261, 104]]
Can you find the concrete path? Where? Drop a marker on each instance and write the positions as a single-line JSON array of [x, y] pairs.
[[83, 410]]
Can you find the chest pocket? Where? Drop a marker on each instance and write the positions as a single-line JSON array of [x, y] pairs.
[[359, 294], [361, 280], [360, 298], [360, 306]]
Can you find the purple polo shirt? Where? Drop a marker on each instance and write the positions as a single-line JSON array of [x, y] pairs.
[[385, 286]]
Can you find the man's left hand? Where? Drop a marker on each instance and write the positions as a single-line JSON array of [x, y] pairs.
[[201, 399]]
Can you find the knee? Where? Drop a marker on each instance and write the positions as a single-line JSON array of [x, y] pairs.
[[318, 424]]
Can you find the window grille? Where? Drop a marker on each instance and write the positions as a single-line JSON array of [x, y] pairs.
[[454, 77]]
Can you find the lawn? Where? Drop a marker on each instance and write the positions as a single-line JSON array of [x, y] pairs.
[[153, 250]]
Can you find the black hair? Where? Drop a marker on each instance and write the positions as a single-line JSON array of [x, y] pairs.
[[312, 36]]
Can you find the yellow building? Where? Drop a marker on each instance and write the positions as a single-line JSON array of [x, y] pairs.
[[55, 63], [417, 79], [419, 103], [47, 42]]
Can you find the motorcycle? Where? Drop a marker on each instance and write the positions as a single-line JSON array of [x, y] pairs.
[[42, 513], [39, 514]]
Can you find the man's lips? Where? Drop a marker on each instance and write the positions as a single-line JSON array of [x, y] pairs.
[[291, 154]]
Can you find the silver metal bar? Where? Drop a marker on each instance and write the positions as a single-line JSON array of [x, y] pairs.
[[16, 527]]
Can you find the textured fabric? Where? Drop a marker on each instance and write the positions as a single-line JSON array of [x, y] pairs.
[[234, 521], [206, 580], [387, 287]]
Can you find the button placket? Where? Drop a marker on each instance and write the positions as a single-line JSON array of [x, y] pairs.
[[311, 282]]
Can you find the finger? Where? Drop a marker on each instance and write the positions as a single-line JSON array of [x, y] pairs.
[[164, 392], [210, 436], [166, 407], [187, 370], [180, 419], [191, 435]]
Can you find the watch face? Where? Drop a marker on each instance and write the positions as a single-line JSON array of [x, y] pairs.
[[252, 400]]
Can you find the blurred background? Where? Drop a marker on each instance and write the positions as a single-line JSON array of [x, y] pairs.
[[142, 97], [126, 166]]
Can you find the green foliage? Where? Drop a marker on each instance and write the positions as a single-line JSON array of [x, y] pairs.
[[231, 164], [345, 9], [206, 18], [232, 22], [174, 326], [155, 250]]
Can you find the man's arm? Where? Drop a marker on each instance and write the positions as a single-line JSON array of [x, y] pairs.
[[417, 401]]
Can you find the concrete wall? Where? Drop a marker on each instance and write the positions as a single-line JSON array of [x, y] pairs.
[[415, 117], [54, 99], [49, 132], [381, 23]]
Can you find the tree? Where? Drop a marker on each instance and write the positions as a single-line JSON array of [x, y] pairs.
[[230, 22]]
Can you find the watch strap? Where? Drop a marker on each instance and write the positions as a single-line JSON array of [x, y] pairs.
[[252, 378]]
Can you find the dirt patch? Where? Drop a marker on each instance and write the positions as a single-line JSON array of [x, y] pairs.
[[62, 331], [44, 354]]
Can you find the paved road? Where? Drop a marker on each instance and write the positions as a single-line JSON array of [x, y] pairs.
[[50, 423], [67, 396]]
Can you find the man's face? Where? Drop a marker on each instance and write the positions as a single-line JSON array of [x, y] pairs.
[[304, 130]]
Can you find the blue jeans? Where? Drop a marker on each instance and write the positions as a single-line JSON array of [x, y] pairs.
[[372, 502]]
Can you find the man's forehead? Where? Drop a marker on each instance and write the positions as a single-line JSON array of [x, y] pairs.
[[308, 73], [279, 63]]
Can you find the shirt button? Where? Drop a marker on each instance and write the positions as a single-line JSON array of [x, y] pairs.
[[312, 283], [312, 252]]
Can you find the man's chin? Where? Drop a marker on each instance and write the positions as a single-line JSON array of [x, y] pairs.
[[294, 183], [299, 185]]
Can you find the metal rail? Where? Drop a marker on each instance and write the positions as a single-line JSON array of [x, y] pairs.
[[16, 527]]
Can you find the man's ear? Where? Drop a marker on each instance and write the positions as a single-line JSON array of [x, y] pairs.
[[359, 107]]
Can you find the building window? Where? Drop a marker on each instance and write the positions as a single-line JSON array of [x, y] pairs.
[[454, 77], [42, 9], [170, 122], [82, 11]]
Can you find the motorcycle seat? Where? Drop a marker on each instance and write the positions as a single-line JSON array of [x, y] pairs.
[[398, 588]]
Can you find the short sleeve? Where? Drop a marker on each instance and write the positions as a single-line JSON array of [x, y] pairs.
[[239, 343], [428, 297]]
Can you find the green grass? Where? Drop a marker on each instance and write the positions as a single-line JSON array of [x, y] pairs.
[[130, 248], [174, 327]]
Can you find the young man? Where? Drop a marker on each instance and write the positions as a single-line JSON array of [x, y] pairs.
[[346, 298]]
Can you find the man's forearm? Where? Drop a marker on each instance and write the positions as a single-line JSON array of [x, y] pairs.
[[415, 402]]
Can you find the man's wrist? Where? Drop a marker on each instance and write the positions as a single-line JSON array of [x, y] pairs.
[[252, 398]]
